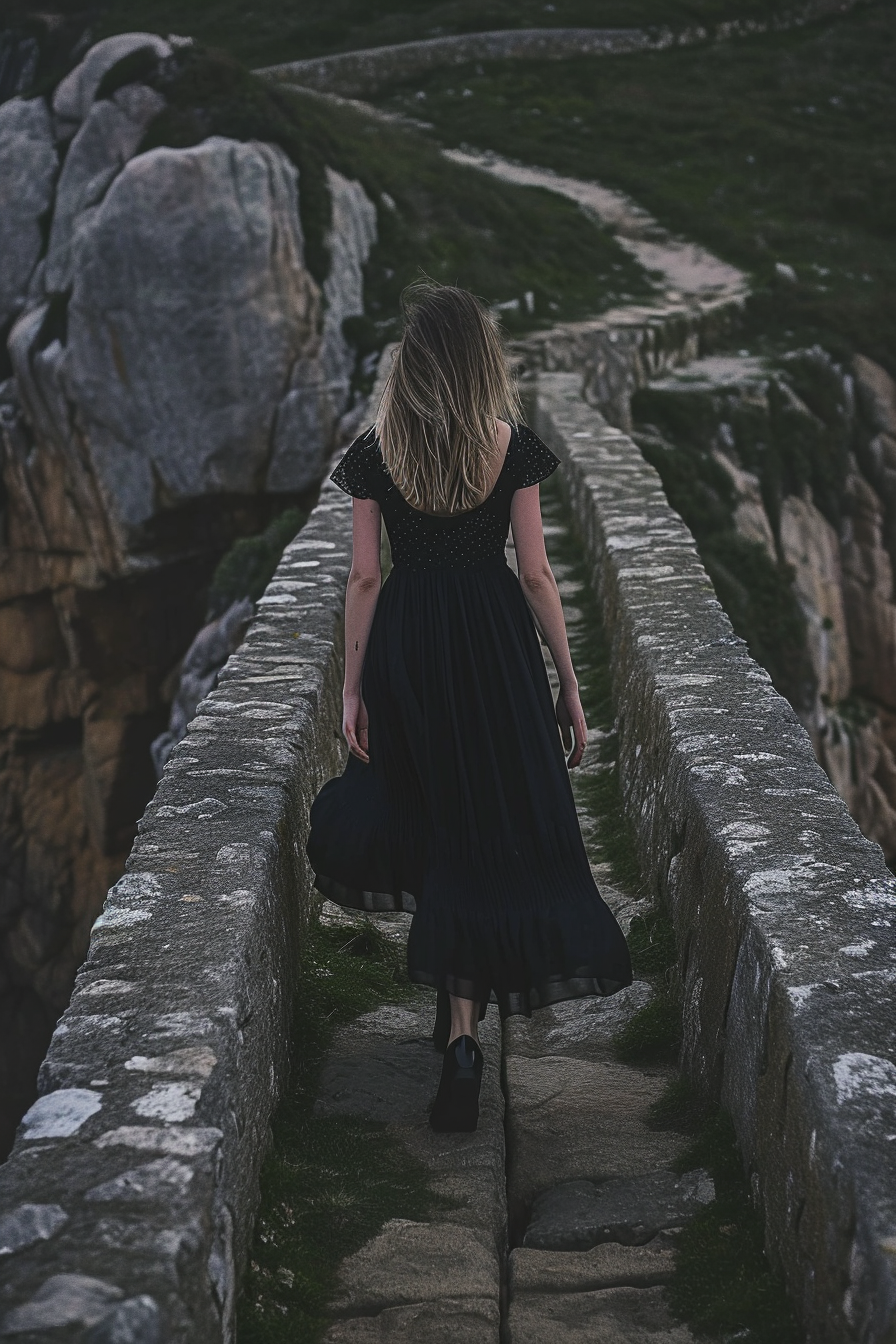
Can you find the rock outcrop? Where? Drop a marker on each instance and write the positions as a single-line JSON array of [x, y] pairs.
[[179, 378], [29, 162], [842, 576]]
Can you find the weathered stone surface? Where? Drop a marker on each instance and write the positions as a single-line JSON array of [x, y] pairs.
[[160, 1180], [614, 1316], [810, 546], [109, 137], [319, 388], [74, 96], [63, 1299], [582, 1028], [572, 1117], [28, 1224], [135, 1321], [750, 517], [408, 1263], [877, 392], [201, 347], [868, 595], [28, 167], [579, 1214], [608, 1265], [768, 879], [464, 1321]]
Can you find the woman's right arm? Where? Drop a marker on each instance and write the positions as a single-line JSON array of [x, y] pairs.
[[541, 592], [361, 596]]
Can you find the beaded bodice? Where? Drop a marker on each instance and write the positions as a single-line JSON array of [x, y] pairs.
[[424, 540]]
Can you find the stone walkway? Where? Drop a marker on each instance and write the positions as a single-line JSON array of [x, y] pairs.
[[684, 270], [553, 1220]]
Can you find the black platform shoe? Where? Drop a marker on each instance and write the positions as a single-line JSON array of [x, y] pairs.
[[442, 1026], [456, 1107]]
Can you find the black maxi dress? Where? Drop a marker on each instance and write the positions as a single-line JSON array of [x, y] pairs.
[[465, 814]]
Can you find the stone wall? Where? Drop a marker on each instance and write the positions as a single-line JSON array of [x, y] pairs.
[[129, 1198], [782, 909], [363, 72]]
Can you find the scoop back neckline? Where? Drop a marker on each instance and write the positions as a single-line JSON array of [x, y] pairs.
[[461, 513]]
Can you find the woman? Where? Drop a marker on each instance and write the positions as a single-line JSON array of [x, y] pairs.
[[456, 802]]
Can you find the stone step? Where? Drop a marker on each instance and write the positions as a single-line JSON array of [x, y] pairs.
[[578, 1215], [611, 1316]]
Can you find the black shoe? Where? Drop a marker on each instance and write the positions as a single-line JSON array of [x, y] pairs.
[[456, 1107], [442, 1026]]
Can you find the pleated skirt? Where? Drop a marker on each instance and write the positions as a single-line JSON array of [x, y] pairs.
[[465, 815]]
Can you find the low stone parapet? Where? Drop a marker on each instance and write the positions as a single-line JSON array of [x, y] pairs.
[[783, 910], [127, 1204], [364, 72]]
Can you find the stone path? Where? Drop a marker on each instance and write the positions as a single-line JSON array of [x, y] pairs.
[[685, 270], [553, 1220]]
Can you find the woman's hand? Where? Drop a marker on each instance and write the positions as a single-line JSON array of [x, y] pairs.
[[571, 721], [354, 725]]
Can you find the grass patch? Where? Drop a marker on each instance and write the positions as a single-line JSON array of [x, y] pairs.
[[653, 1034], [766, 149], [455, 224], [269, 32], [723, 1286], [329, 1183]]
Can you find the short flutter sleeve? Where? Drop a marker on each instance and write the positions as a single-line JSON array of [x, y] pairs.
[[534, 460], [359, 473]]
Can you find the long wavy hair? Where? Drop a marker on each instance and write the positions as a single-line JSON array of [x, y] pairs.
[[450, 381]]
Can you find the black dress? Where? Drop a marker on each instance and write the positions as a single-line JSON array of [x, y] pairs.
[[465, 814]]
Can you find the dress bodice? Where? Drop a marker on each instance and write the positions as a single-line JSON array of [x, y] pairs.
[[424, 540]]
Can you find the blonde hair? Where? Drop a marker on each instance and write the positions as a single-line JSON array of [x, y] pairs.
[[450, 381]]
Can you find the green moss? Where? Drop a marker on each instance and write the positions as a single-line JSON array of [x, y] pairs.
[[330, 1183], [766, 149], [723, 1286], [248, 567]]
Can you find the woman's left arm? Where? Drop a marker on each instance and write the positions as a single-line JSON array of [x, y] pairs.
[[361, 596]]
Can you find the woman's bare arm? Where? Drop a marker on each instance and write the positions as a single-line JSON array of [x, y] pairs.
[[361, 596], [540, 589]]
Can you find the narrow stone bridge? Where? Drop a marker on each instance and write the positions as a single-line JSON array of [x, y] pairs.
[[127, 1205]]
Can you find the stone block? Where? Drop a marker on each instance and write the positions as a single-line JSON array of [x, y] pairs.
[[608, 1265], [466, 1321], [614, 1316], [408, 1263], [577, 1215], [577, 1118]]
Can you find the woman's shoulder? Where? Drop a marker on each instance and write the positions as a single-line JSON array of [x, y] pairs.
[[360, 472], [532, 459]]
